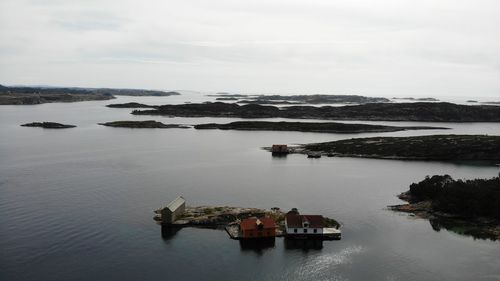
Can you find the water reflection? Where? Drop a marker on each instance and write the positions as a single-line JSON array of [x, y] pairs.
[[303, 244], [279, 156], [258, 246], [463, 228], [168, 232]]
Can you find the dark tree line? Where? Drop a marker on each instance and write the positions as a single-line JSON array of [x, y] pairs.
[[478, 197]]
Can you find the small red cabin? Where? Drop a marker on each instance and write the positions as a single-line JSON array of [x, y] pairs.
[[257, 228], [279, 149]]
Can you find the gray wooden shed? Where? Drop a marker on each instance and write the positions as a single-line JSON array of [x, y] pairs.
[[173, 210]]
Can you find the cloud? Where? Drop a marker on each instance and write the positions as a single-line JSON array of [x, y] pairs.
[[387, 47]]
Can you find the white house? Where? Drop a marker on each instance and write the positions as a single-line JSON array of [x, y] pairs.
[[304, 225]]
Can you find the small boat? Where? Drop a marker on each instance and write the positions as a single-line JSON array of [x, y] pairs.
[[313, 155]]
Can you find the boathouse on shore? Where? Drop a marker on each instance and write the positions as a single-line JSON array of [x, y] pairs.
[[257, 228], [304, 225], [279, 149], [173, 210]]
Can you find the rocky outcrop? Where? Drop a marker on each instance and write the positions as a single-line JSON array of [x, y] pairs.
[[48, 125]]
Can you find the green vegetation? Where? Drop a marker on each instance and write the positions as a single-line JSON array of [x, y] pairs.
[[469, 198], [465, 207], [208, 211], [331, 223]]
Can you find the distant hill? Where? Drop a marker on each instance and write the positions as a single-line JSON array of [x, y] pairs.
[[21, 95]]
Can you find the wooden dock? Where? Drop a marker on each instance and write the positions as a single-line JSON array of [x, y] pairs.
[[233, 231]]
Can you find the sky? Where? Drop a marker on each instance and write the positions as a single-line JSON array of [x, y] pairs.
[[391, 48]]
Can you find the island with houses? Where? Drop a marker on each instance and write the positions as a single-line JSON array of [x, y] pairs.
[[249, 223]]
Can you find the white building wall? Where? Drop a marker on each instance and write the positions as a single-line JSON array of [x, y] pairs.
[[310, 230]]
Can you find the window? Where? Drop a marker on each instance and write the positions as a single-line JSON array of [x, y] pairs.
[[295, 230], [315, 230], [305, 230]]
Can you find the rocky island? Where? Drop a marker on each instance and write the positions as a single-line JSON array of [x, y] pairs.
[[321, 99], [143, 124], [434, 147], [300, 99], [418, 111], [470, 207], [275, 102], [135, 92], [130, 105], [325, 127], [221, 216], [39, 95], [48, 125], [416, 99]]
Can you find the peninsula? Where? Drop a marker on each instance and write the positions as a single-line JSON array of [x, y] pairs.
[[470, 207], [329, 127], [48, 125], [143, 124], [418, 111], [433, 147]]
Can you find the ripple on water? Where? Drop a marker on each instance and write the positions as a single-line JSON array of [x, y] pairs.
[[322, 265]]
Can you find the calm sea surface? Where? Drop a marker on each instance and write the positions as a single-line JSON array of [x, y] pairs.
[[76, 204]]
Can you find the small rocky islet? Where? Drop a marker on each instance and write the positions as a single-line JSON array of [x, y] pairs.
[[150, 124], [48, 125], [130, 105]]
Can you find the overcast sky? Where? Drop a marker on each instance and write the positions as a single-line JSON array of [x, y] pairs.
[[367, 47]]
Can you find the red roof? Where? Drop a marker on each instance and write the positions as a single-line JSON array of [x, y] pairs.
[[249, 224], [295, 221]]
